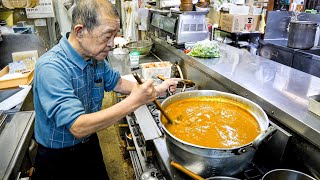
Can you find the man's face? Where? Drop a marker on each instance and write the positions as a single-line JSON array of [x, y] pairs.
[[98, 42]]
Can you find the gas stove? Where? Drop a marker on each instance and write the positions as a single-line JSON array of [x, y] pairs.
[[151, 159]]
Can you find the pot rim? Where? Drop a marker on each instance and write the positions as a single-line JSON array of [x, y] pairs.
[[288, 170], [304, 22], [209, 148]]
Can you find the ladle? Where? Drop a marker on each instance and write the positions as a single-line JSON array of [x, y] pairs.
[[186, 171], [186, 81], [156, 102]]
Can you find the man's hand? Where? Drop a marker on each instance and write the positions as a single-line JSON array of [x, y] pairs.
[[170, 84], [144, 93]]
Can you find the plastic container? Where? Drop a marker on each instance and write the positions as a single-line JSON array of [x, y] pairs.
[[134, 58], [152, 70]]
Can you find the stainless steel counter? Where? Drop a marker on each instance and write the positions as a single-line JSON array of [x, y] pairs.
[[14, 142], [280, 90]]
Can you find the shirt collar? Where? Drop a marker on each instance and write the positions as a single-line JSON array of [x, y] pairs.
[[73, 55]]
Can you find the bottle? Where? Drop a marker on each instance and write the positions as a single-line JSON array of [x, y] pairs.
[[134, 59]]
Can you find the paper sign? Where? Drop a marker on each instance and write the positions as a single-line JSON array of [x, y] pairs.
[[43, 10]]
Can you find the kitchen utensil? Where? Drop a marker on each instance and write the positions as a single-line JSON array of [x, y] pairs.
[[187, 81], [181, 76], [286, 174], [197, 177], [302, 34], [156, 56], [143, 47], [186, 171], [171, 121], [207, 162]]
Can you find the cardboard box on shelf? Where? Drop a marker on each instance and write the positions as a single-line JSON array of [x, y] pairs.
[[240, 23], [220, 16]]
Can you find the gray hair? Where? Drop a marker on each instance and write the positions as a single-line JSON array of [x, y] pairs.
[[86, 12]]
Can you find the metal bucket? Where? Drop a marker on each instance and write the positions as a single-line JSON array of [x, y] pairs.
[[286, 174], [208, 162], [302, 34]]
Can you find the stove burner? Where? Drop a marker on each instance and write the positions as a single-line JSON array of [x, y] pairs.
[[155, 112]]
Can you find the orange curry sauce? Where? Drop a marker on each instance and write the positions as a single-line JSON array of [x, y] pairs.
[[213, 122]]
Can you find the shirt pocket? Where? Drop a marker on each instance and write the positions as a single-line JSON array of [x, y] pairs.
[[98, 91]]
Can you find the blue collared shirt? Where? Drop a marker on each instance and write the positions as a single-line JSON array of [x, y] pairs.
[[65, 87]]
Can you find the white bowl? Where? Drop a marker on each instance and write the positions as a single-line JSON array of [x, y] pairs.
[[202, 9], [189, 45]]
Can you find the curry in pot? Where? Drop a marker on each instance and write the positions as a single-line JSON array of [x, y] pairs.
[[213, 122]]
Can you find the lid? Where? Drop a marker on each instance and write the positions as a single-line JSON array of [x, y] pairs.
[[135, 53]]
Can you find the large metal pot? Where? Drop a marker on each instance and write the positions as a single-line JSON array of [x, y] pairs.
[[302, 34], [208, 162]]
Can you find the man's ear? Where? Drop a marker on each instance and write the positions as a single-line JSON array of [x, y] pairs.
[[78, 29]]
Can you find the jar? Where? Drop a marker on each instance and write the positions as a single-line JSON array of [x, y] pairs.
[[134, 58]]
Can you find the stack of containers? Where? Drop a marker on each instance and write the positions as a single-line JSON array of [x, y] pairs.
[[186, 5]]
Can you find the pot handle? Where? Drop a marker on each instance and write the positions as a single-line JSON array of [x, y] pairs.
[[267, 133]]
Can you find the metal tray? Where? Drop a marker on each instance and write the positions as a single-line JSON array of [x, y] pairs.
[[314, 104]]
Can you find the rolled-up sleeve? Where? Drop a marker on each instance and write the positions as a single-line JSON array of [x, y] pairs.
[[57, 97]]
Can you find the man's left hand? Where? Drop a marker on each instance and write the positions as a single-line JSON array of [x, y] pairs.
[[170, 84]]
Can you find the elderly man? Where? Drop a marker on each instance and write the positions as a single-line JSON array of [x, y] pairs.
[[69, 86]]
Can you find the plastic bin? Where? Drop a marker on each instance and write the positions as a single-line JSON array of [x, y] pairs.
[[152, 70]]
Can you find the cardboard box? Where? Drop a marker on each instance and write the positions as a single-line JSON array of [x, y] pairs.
[[240, 23], [26, 79], [220, 17]]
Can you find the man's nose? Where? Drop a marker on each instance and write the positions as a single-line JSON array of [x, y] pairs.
[[110, 43]]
